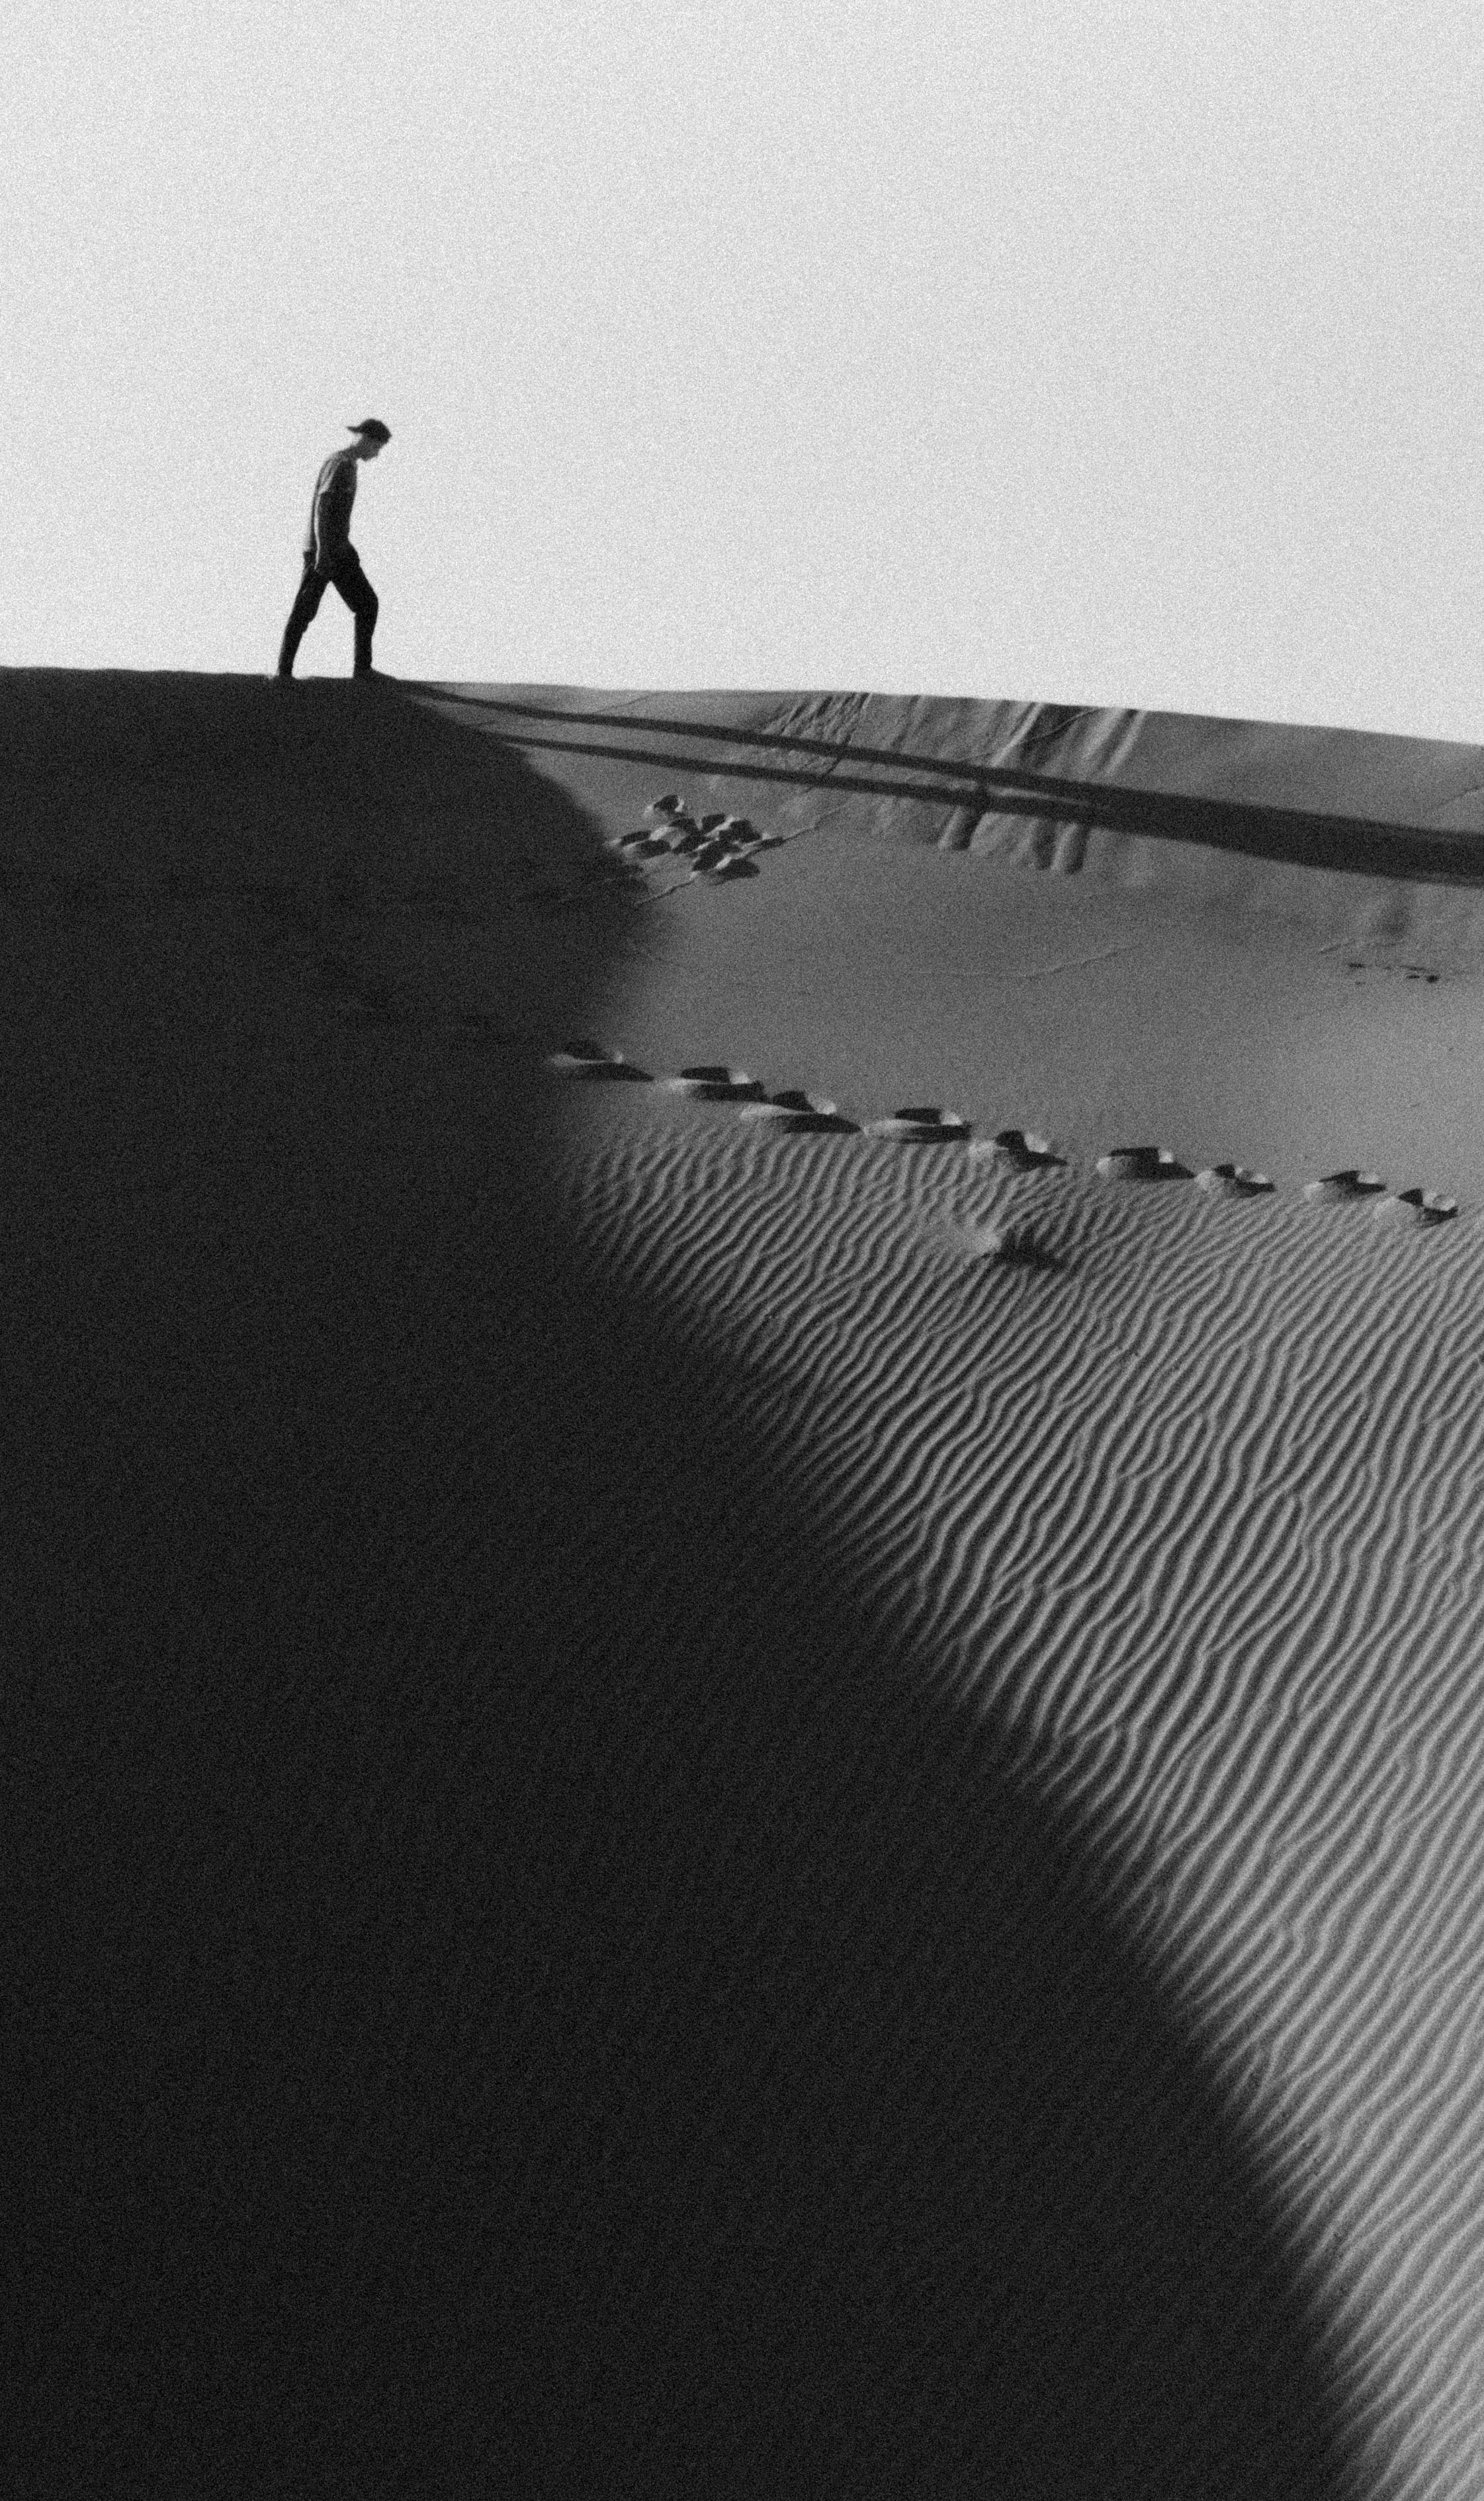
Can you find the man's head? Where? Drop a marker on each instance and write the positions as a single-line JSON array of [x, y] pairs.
[[370, 435]]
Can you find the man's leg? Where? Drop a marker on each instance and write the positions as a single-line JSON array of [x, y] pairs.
[[362, 601], [305, 607]]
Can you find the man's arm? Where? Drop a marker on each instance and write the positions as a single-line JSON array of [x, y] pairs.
[[333, 499]]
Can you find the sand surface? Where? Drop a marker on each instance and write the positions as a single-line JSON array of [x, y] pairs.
[[703, 1799]]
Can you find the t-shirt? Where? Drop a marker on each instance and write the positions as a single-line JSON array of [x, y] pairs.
[[329, 531]]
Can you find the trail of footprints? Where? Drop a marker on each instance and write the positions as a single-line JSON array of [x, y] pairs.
[[1021, 1150], [718, 847]]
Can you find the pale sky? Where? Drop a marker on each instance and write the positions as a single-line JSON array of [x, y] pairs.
[[1108, 354]]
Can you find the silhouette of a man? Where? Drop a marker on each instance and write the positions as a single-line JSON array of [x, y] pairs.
[[328, 554]]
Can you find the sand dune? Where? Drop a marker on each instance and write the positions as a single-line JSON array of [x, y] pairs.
[[723, 1773]]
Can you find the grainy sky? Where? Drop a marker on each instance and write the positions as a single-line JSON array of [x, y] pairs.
[[1124, 352]]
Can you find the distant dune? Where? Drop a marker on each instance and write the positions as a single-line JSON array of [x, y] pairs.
[[741, 1737]]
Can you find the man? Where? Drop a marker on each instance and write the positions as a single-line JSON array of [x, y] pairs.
[[328, 554]]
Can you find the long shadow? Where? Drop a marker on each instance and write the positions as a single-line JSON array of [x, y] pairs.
[[512, 1986], [1311, 838]]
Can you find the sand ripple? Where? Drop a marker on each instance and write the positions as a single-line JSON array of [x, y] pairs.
[[1194, 1506]]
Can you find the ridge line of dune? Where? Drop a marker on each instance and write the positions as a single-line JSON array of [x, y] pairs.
[[1005, 786]]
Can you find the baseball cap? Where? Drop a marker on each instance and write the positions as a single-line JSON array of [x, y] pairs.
[[372, 426]]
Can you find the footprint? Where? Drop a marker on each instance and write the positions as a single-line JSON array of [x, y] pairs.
[[1416, 1207], [591, 1061], [1021, 1150], [922, 1125], [1409, 972], [1233, 1181], [719, 844], [774, 1106], [713, 1084], [794, 1112], [1346, 1184], [1142, 1163]]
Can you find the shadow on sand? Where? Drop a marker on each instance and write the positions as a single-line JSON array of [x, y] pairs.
[[510, 1987], [1308, 837]]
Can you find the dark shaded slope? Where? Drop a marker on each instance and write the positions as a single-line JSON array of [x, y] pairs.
[[343, 820], [507, 1987]]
